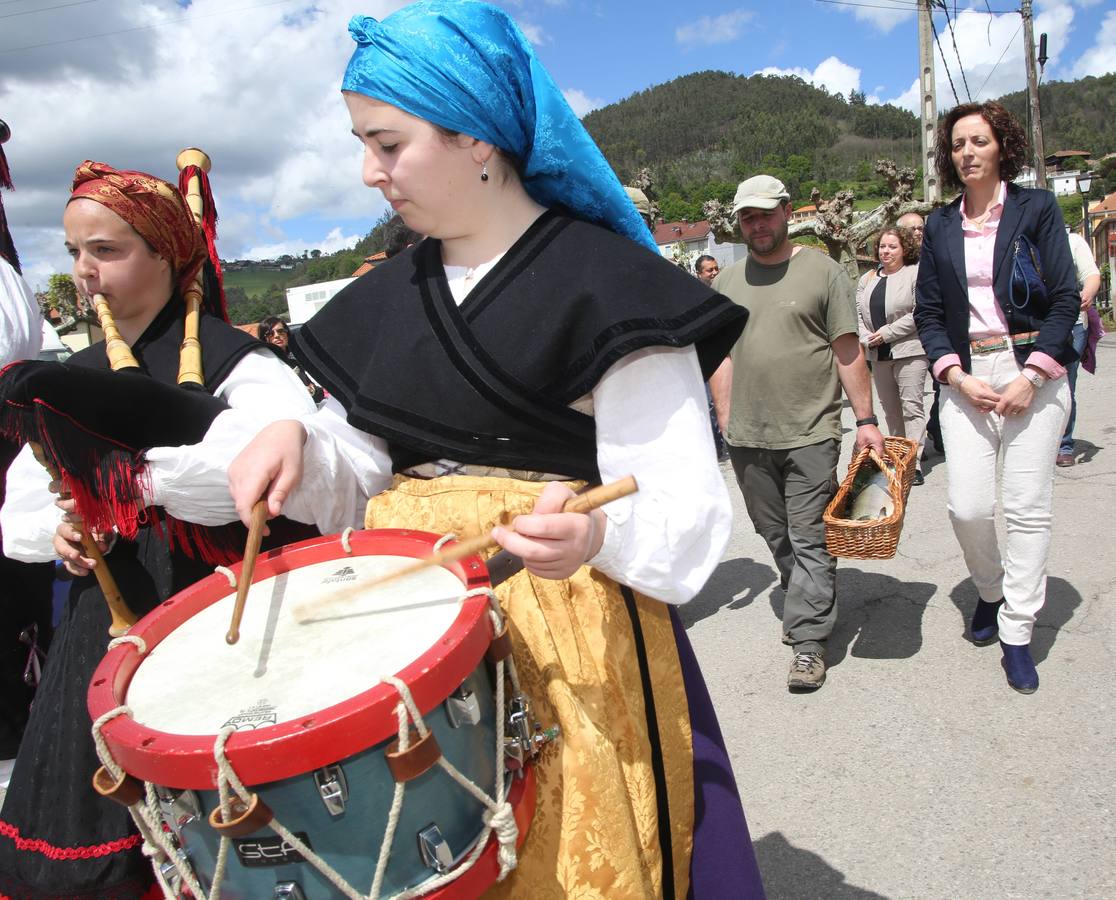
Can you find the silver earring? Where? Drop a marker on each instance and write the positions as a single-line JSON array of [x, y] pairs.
[[484, 171]]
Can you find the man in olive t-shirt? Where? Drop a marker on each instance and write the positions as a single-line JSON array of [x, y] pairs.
[[778, 398]]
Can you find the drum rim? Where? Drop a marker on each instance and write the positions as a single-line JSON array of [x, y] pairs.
[[326, 736]]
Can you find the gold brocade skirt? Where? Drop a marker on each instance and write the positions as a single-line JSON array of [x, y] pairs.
[[596, 828]]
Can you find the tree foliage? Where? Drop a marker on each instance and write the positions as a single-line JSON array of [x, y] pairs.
[[244, 310], [1076, 115], [701, 134], [61, 295]]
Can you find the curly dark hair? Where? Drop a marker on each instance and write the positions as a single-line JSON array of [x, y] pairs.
[[907, 242], [1009, 135]]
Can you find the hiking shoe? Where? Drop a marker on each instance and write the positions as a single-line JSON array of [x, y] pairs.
[[807, 672]]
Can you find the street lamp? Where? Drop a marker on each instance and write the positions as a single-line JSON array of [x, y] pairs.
[[1084, 182]]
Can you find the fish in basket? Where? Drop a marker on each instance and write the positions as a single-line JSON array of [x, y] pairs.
[[865, 516]]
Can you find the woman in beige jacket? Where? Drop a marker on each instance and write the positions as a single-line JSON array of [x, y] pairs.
[[885, 301]]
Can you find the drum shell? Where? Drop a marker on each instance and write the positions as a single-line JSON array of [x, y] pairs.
[[278, 761], [351, 842]]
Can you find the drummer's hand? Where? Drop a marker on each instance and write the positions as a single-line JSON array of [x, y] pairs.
[[271, 464], [553, 544], [67, 544]]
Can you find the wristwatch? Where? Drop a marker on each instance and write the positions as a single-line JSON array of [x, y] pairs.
[[1037, 379], [867, 420]]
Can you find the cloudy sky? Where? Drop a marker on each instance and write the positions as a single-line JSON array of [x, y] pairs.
[[255, 84]]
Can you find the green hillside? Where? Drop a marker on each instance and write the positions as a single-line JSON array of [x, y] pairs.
[[703, 133], [256, 280]]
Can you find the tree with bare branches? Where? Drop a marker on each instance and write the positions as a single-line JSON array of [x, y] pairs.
[[841, 229]]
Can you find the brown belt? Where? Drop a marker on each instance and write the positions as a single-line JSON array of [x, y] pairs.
[[1002, 342]]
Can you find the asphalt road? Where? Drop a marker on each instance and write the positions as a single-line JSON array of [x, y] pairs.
[[916, 772]]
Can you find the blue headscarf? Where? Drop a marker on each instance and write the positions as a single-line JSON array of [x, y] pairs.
[[465, 66]]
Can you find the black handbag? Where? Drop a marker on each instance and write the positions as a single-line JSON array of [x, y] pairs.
[[1028, 287]]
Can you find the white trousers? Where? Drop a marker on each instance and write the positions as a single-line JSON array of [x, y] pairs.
[[1027, 445], [901, 387]]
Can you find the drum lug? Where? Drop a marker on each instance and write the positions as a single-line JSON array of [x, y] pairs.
[[333, 788], [435, 851], [463, 708], [288, 890], [169, 873], [179, 808], [526, 737]]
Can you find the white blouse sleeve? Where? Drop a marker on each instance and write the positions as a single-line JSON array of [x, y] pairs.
[[191, 482], [653, 422], [21, 328], [342, 467], [29, 517]]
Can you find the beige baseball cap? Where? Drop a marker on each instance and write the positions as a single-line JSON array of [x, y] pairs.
[[759, 192]]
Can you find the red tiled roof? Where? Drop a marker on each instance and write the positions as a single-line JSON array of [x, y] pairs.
[[1108, 204], [369, 263], [671, 232]]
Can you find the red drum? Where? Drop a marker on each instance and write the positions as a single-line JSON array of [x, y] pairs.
[[310, 714]]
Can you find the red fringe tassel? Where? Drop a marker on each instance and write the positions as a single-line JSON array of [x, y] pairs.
[[215, 305], [7, 245], [109, 482], [5, 172]]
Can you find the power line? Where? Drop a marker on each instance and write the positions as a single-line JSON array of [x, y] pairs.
[[900, 5], [1008, 45], [956, 52], [43, 9], [179, 20], [945, 65], [865, 5]]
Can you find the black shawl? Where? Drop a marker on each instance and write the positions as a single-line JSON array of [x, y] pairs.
[[490, 382]]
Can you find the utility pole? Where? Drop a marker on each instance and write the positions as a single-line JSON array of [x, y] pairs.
[[1032, 93], [931, 188]]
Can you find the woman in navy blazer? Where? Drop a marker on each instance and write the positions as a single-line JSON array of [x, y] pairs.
[[1002, 362]]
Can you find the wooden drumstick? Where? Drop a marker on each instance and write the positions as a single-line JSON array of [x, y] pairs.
[[582, 503], [122, 617], [251, 551]]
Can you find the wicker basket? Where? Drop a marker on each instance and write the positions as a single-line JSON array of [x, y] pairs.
[[872, 538]]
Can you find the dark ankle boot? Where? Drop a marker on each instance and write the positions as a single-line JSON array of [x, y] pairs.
[[983, 630], [1020, 668]]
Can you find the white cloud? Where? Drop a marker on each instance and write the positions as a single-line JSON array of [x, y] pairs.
[[259, 92], [837, 77], [882, 17], [533, 33], [721, 29], [991, 50], [1101, 57], [331, 243], [909, 99], [580, 102]]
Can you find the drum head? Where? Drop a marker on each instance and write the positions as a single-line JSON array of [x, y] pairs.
[[309, 689]]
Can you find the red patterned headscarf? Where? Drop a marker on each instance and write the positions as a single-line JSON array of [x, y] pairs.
[[153, 207]]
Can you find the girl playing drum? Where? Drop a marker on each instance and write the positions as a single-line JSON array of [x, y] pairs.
[[533, 341]]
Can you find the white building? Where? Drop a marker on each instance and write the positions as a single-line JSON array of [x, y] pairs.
[[694, 239], [1063, 184], [306, 299]]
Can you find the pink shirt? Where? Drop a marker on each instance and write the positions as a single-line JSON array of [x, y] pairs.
[[986, 319]]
